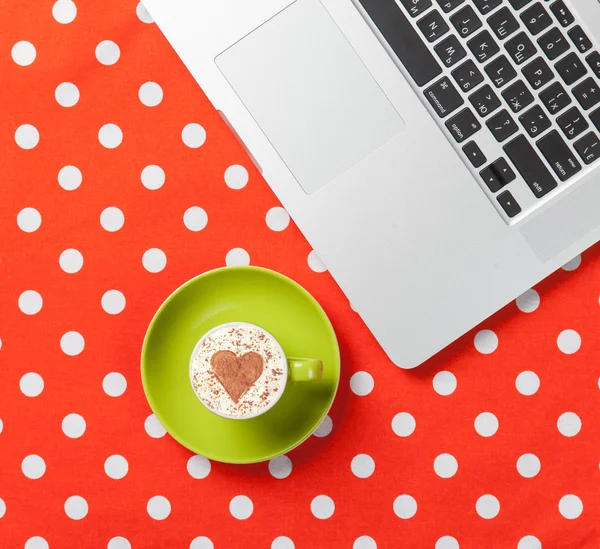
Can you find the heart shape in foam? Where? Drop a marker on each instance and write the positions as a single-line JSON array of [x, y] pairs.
[[237, 373]]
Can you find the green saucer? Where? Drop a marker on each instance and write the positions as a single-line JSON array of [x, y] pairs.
[[238, 294]]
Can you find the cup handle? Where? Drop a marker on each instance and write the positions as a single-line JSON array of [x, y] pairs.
[[305, 369]]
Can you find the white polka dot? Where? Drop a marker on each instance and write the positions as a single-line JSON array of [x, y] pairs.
[[446, 542], [110, 136], [236, 177], [1, 425], [486, 424], [73, 426], [280, 467], [528, 465], [364, 542], [527, 383], [119, 543], [324, 428], [23, 53], [195, 218], [277, 219], [76, 507], [153, 177], [529, 542], [1, 348], [528, 301], [362, 383], [71, 261], [116, 467], [570, 506], [69, 178], [282, 542], [29, 220], [154, 260], [569, 341], [573, 264], [112, 219], [569, 424], [144, 17], [444, 383], [72, 343], [445, 465], [150, 94], [241, 507], [66, 94], [153, 427], [114, 384], [486, 342], [193, 135], [236, 257], [107, 52], [27, 136], [405, 506], [2, 508], [33, 467], [202, 542], [31, 384], [487, 506], [159, 507], [315, 263], [30, 302], [36, 542], [64, 11], [113, 302], [322, 507], [404, 424], [362, 466], [198, 467]]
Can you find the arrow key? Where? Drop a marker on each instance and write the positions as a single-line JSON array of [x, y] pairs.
[[509, 204], [474, 154], [497, 175]]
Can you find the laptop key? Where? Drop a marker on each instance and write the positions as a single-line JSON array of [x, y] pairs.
[[463, 125], [530, 166], [509, 204], [450, 51], [559, 156], [595, 118], [502, 126], [588, 148], [465, 21], [520, 48], [580, 39], [587, 93], [571, 69], [497, 175], [518, 4], [562, 13], [555, 98], [486, 6], [443, 97], [553, 44], [538, 73], [415, 7], [518, 96], [500, 71], [433, 26], [467, 76], [503, 23], [474, 154], [535, 121], [483, 46], [449, 5], [536, 18], [593, 60], [572, 123], [485, 101]]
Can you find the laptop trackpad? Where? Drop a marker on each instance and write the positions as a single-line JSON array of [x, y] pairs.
[[310, 93]]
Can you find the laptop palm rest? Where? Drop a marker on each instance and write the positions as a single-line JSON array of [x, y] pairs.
[[310, 93]]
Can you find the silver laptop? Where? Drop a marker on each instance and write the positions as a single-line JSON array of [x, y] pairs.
[[441, 156]]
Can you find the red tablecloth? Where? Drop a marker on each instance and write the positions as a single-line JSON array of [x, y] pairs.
[[493, 444]]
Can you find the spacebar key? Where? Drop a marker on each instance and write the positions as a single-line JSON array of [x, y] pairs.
[[403, 39], [530, 166]]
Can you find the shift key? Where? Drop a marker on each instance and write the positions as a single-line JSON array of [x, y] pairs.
[[530, 166], [559, 156]]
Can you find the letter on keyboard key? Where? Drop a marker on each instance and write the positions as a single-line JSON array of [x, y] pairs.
[[530, 166], [572, 123], [450, 50], [559, 156], [444, 97], [463, 125], [403, 39], [509, 204], [416, 7], [588, 148]]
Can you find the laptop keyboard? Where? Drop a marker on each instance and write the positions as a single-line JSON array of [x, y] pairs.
[[514, 83]]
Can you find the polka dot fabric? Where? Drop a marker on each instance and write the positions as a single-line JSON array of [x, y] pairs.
[[119, 183]]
